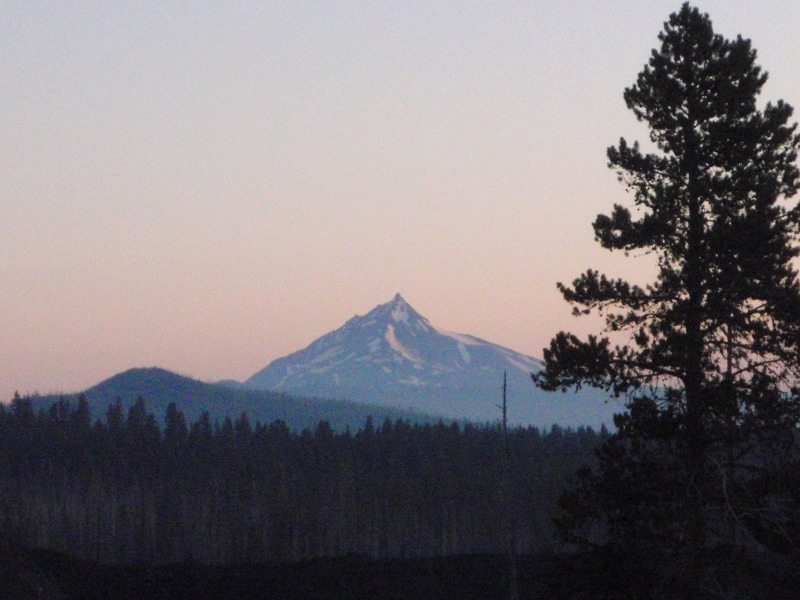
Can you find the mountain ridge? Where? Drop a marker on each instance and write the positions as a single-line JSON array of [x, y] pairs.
[[159, 387]]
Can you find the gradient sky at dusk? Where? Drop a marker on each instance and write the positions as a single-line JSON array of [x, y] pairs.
[[208, 186]]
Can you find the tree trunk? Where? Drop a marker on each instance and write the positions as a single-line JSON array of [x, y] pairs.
[[694, 383]]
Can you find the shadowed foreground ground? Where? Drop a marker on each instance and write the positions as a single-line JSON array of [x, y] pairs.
[[46, 575]]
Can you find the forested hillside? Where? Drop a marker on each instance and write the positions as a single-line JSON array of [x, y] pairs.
[[192, 397], [124, 490]]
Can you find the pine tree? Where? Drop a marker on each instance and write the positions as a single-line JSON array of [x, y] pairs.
[[706, 355]]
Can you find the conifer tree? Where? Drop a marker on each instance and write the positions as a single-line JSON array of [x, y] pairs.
[[706, 356]]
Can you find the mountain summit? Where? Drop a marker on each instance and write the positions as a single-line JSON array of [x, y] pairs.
[[395, 356]]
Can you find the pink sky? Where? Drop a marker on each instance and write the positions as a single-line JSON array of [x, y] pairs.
[[207, 189]]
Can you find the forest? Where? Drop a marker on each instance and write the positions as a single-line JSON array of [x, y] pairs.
[[124, 489]]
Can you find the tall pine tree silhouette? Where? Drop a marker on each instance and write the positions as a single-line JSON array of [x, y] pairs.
[[707, 355]]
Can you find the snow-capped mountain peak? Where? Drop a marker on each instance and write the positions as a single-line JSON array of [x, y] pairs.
[[394, 355]]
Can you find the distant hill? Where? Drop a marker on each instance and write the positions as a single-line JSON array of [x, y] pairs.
[[159, 388], [393, 356]]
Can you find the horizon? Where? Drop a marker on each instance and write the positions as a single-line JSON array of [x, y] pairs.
[[206, 190], [397, 297]]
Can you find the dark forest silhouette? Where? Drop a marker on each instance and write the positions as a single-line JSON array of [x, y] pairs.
[[122, 490]]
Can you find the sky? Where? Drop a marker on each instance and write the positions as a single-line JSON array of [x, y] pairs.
[[208, 186]]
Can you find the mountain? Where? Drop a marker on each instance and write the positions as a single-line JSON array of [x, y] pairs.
[[159, 388], [393, 356]]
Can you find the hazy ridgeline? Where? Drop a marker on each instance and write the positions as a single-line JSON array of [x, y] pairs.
[[125, 490]]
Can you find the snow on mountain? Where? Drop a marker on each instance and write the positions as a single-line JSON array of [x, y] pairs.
[[394, 356]]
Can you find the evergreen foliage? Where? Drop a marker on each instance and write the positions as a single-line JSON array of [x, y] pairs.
[[701, 476], [123, 490]]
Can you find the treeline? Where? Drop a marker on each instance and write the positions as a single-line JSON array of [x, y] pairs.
[[124, 489], [162, 388]]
